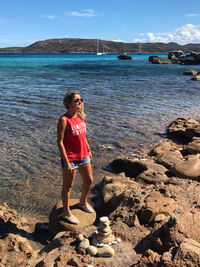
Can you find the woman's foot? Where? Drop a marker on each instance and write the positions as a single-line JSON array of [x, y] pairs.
[[85, 207], [70, 219]]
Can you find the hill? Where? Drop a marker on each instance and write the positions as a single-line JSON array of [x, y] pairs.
[[76, 45]]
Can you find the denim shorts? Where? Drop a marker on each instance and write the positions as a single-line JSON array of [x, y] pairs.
[[76, 163]]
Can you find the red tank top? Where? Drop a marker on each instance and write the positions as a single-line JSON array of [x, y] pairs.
[[75, 139]]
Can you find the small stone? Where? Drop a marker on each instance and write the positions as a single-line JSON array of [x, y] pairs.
[[80, 237], [81, 251], [92, 250], [84, 243], [114, 243], [106, 252], [119, 240], [103, 219], [105, 229]]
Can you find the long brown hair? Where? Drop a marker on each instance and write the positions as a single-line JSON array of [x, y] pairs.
[[67, 99]]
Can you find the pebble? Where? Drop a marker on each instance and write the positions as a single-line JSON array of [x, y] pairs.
[[92, 250], [84, 243], [80, 237], [103, 219], [106, 252], [119, 240]]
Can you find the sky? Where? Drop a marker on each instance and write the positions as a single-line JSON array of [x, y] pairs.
[[23, 22]]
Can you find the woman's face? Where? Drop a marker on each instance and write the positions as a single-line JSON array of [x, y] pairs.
[[76, 102]]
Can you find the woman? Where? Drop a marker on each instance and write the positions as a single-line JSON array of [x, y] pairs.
[[75, 153]]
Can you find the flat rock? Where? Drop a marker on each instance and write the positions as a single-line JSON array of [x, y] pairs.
[[151, 177], [56, 224], [162, 148], [156, 204], [170, 159], [189, 168], [183, 130]]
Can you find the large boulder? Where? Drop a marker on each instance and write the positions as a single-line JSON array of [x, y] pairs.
[[133, 167], [183, 130], [156, 204], [162, 148], [190, 72], [189, 168], [170, 159], [56, 224], [192, 59], [175, 54], [159, 60]]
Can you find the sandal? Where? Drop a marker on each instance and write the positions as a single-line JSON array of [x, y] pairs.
[[71, 219], [86, 207]]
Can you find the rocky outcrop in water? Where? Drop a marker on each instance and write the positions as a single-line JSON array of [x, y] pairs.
[[177, 58], [153, 208]]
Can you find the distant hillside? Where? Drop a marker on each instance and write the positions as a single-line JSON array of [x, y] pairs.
[[75, 45]]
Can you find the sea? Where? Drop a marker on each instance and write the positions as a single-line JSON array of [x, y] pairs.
[[128, 104]]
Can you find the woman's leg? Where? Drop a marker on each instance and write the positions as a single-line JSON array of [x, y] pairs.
[[86, 174], [68, 181]]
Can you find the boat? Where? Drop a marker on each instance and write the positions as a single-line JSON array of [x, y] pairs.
[[99, 53], [124, 56], [139, 50]]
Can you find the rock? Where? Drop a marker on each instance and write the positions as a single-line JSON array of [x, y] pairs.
[[160, 218], [159, 60], [106, 252], [92, 250], [169, 159], [192, 59], [84, 243], [190, 72], [192, 147], [113, 187], [156, 204], [189, 168], [189, 224], [176, 54], [151, 177], [56, 224], [133, 168], [183, 130], [162, 148], [188, 254], [196, 78]]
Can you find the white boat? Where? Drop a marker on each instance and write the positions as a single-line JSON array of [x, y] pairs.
[[99, 53]]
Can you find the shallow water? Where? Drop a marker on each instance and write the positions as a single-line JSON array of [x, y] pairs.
[[127, 104]]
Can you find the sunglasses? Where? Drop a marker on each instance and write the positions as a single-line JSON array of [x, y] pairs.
[[77, 100]]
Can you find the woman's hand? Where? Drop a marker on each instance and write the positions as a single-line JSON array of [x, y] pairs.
[[69, 167], [90, 154]]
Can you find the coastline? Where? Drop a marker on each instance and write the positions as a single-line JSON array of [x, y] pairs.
[[152, 203]]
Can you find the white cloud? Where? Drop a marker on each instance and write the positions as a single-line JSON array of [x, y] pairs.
[[117, 40], [49, 16], [189, 15], [85, 13], [188, 33]]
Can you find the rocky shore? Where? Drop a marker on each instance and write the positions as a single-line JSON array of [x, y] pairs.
[[147, 213]]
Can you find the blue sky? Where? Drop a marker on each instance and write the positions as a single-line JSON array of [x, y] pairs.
[[23, 22]]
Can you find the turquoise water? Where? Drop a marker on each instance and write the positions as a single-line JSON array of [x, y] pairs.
[[127, 104]]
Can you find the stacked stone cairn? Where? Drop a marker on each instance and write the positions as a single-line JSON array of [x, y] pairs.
[[99, 243]]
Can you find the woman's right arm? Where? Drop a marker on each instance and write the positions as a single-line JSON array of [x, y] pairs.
[[62, 124]]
